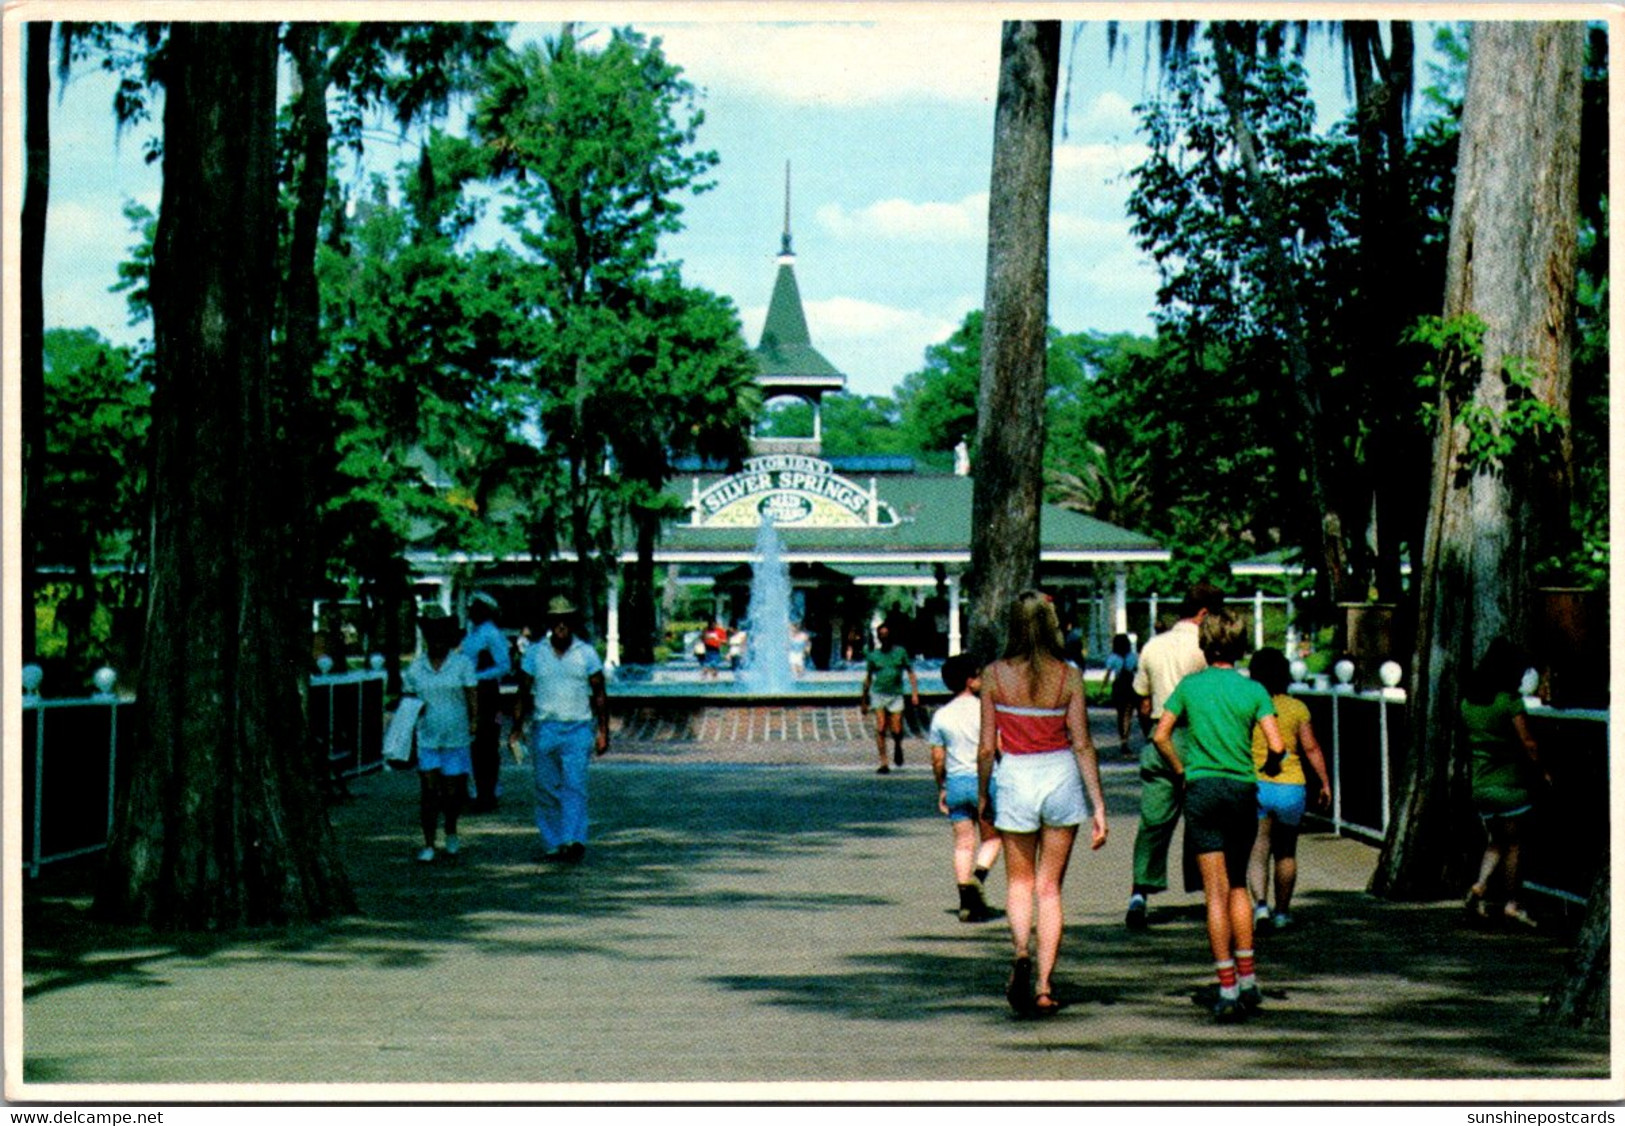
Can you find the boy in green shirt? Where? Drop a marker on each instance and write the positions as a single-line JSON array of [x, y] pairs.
[[1214, 762]]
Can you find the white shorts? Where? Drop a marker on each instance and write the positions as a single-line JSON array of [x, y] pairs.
[[450, 761], [892, 704], [1039, 790]]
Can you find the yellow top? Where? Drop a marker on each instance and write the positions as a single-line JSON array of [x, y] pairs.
[[1290, 714]]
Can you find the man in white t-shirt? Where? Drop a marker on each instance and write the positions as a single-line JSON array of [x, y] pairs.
[[956, 732], [562, 690]]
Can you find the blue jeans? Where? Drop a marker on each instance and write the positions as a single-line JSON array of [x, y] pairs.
[[559, 753]]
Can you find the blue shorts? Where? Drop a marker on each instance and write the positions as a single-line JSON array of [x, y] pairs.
[[450, 761], [1283, 801], [961, 796], [1039, 790]]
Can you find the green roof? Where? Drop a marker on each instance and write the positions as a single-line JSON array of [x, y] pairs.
[[786, 348]]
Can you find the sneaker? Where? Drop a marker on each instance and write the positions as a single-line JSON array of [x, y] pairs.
[[1281, 921], [1261, 914], [573, 852], [884, 769], [1228, 1010], [452, 844], [1134, 919], [1251, 998], [425, 855]]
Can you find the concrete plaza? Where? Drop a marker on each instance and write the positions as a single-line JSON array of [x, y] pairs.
[[754, 916]]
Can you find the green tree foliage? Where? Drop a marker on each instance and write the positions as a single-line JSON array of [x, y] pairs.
[[416, 387], [594, 146], [938, 402], [686, 389], [88, 514], [1195, 210]]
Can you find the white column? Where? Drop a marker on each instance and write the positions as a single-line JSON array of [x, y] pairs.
[[1258, 619], [1120, 601], [1151, 608], [954, 640], [445, 595], [612, 625]]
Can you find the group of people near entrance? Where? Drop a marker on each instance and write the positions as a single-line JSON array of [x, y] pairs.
[[1230, 752], [1016, 769], [562, 721]]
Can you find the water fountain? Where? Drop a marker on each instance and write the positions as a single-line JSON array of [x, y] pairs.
[[767, 623]]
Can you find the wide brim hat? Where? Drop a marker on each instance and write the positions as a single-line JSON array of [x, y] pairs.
[[560, 607]]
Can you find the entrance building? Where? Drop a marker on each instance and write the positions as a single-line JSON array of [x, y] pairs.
[[850, 528]]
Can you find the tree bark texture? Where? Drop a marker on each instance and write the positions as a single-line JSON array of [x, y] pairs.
[[1581, 998], [31, 299], [1008, 493], [1512, 263], [224, 823]]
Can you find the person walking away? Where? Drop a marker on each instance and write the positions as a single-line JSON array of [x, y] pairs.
[[485, 645], [1034, 715], [1121, 665], [1282, 798], [562, 688], [1506, 771], [1166, 660], [442, 677], [883, 670], [955, 734], [1214, 763]]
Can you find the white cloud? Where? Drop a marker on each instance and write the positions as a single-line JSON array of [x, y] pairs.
[[1099, 161], [1110, 113], [851, 318], [964, 220], [841, 64]]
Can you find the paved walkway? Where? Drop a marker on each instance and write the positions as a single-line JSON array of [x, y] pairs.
[[747, 924]]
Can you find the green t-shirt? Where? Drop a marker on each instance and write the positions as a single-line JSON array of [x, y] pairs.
[[886, 668], [1501, 769], [1218, 708]]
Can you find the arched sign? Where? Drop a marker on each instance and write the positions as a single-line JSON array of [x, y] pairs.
[[791, 490]]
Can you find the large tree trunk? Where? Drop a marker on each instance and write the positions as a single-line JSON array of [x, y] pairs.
[[1331, 529], [36, 193], [223, 824], [1512, 262], [1008, 493], [1581, 999]]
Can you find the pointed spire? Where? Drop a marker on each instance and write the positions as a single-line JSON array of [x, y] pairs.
[[784, 245]]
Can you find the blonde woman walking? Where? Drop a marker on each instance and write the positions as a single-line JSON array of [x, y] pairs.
[[1033, 713]]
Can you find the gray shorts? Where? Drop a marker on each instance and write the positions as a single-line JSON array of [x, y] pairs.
[[892, 704]]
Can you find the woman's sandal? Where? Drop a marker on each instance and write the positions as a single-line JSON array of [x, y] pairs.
[[1020, 990], [1516, 916], [1044, 1005]]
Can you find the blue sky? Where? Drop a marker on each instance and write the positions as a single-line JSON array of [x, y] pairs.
[[888, 126]]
